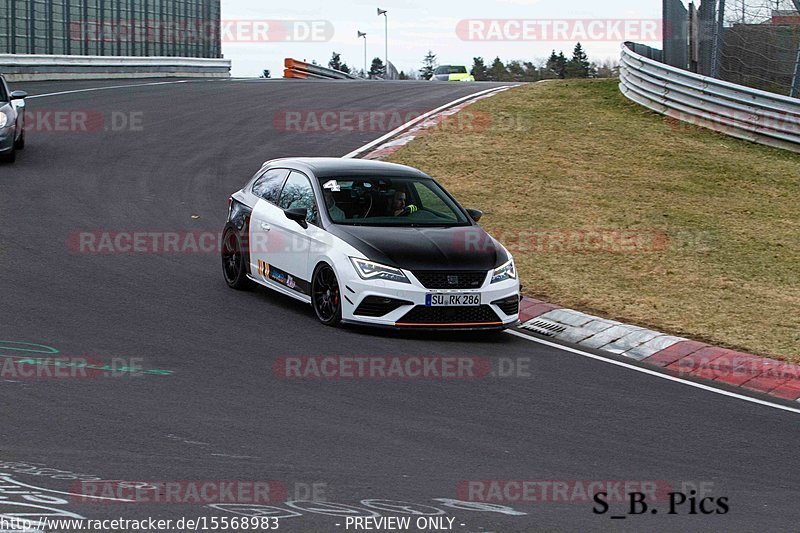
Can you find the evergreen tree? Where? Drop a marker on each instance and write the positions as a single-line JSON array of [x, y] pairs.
[[516, 70], [336, 63], [479, 70], [429, 64], [579, 66], [557, 64], [531, 72], [377, 69], [498, 72]]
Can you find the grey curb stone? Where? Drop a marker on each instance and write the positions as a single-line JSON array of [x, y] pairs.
[[643, 351], [599, 325], [609, 335], [574, 335], [568, 317], [632, 340]]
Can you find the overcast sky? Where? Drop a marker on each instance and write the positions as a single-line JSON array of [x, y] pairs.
[[416, 26]]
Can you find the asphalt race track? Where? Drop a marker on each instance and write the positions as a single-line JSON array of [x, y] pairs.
[[223, 414]]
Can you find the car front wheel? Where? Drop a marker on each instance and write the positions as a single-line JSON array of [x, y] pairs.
[[10, 157], [20, 143], [325, 296]]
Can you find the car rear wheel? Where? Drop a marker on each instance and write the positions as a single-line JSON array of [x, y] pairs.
[[325, 296], [233, 261]]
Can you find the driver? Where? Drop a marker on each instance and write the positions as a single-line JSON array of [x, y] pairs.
[[399, 207]]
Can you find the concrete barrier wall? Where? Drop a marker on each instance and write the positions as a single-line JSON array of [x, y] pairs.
[[19, 67]]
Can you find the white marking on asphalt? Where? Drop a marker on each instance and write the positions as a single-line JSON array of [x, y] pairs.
[[9, 479], [410, 123], [654, 373], [92, 89]]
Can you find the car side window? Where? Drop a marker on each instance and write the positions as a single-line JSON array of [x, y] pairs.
[[269, 185], [298, 194]]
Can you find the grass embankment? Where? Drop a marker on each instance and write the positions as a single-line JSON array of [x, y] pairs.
[[699, 233]]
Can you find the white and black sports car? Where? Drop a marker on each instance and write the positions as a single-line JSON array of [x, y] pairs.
[[368, 242]]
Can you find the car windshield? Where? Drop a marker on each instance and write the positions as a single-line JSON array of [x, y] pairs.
[[447, 69], [3, 95], [395, 201]]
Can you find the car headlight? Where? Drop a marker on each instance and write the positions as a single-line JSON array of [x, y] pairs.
[[4, 120], [507, 271], [369, 270]]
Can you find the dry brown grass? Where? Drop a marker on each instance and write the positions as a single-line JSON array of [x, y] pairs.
[[576, 155]]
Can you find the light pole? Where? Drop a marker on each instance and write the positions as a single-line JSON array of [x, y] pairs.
[[386, 55], [364, 35]]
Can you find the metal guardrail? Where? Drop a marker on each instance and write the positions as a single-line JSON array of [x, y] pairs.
[[25, 67], [735, 110], [302, 70]]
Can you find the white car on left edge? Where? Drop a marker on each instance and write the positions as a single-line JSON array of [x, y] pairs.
[[368, 242], [12, 123]]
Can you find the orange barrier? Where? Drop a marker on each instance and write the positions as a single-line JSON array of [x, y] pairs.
[[301, 70]]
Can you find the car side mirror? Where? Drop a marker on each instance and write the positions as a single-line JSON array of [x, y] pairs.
[[299, 215], [476, 214], [19, 95]]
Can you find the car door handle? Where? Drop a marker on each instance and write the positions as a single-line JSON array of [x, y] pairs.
[[265, 226]]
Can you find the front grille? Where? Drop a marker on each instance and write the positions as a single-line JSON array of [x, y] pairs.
[[375, 306], [421, 314], [451, 280], [509, 306]]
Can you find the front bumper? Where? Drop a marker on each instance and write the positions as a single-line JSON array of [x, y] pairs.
[[415, 314]]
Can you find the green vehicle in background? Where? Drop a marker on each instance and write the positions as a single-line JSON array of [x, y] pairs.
[[452, 73]]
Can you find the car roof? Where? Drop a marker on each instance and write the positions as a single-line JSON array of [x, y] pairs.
[[340, 166]]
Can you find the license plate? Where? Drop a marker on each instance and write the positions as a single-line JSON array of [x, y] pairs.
[[452, 300]]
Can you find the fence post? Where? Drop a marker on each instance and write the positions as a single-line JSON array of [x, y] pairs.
[[717, 56], [795, 92]]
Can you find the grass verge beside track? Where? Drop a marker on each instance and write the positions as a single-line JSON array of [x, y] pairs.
[[617, 211]]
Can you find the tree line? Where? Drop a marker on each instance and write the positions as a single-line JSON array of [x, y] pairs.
[[557, 66]]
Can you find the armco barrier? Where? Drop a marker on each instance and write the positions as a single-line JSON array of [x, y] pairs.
[[735, 110], [302, 70], [19, 67]]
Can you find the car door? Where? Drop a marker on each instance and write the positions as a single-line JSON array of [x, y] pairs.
[[267, 188], [290, 260]]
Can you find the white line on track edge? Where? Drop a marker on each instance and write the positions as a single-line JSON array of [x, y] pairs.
[[653, 372], [410, 123], [92, 89]]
